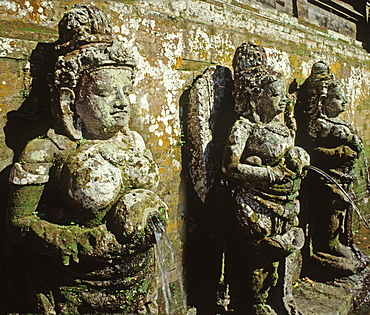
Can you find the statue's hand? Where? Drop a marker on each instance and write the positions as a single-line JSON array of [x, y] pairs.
[[95, 243], [99, 242], [347, 151], [341, 151], [279, 173], [297, 160]]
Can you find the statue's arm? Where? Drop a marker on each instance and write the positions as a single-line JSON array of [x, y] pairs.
[[233, 166], [25, 226], [351, 143]]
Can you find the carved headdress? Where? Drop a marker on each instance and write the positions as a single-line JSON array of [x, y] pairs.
[[251, 75], [85, 44], [81, 25], [320, 82]]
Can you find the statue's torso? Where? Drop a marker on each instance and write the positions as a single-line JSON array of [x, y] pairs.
[[98, 172], [269, 142]]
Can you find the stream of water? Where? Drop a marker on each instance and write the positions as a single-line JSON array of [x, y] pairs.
[[163, 246], [349, 199]]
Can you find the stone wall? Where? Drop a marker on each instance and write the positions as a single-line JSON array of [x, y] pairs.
[[174, 41]]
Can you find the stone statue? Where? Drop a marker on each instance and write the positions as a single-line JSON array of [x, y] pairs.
[[268, 168], [334, 146], [83, 194], [210, 114]]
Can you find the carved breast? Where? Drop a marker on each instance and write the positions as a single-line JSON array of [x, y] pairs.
[[269, 142], [99, 171]]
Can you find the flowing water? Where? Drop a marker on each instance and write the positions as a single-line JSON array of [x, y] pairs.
[[349, 199], [163, 246], [361, 239]]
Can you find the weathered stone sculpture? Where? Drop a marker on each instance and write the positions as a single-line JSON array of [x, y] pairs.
[[334, 146], [268, 170], [82, 194], [209, 117]]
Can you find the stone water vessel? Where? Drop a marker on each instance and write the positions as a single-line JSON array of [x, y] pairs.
[[83, 193]]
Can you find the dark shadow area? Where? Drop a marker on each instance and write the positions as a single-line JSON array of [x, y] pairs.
[[309, 267], [295, 8], [31, 120], [207, 223], [326, 214], [34, 117]]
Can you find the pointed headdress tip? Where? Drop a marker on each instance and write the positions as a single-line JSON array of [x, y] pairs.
[[249, 56], [321, 71], [84, 23]]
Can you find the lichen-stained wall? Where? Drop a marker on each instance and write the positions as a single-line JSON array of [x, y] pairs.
[[174, 41]]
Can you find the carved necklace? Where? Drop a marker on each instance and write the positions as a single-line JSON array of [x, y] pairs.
[[338, 121], [281, 130]]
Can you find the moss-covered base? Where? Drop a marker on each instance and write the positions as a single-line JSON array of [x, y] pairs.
[[127, 286]]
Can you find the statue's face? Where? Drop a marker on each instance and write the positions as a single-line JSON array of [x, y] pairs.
[[272, 101], [335, 103], [102, 103]]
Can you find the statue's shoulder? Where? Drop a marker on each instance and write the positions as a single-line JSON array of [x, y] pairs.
[[46, 149], [243, 124], [137, 139], [320, 124]]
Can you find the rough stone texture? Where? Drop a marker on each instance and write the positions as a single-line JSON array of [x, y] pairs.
[[205, 100], [267, 169], [320, 298], [81, 205], [174, 42], [348, 295]]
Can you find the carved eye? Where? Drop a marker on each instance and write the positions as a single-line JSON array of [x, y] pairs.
[[101, 89], [274, 92]]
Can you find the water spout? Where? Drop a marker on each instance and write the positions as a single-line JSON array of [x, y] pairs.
[[162, 243], [349, 199]]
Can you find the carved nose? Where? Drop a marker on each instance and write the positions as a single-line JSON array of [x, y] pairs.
[[121, 102]]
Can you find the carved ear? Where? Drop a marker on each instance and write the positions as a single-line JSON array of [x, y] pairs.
[[321, 103], [66, 98]]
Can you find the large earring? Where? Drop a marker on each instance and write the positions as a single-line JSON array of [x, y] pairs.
[[321, 104], [66, 98]]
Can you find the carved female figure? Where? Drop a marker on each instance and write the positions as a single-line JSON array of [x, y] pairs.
[[334, 146], [82, 194], [268, 168]]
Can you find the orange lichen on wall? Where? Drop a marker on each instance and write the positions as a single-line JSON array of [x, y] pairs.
[[174, 42], [336, 68]]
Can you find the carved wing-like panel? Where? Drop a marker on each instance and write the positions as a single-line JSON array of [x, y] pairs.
[[209, 96]]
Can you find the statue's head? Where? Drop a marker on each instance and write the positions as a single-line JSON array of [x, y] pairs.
[[325, 94], [90, 90], [335, 102], [91, 81], [259, 91]]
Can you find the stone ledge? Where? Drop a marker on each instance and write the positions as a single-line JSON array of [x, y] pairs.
[[322, 299], [339, 297]]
